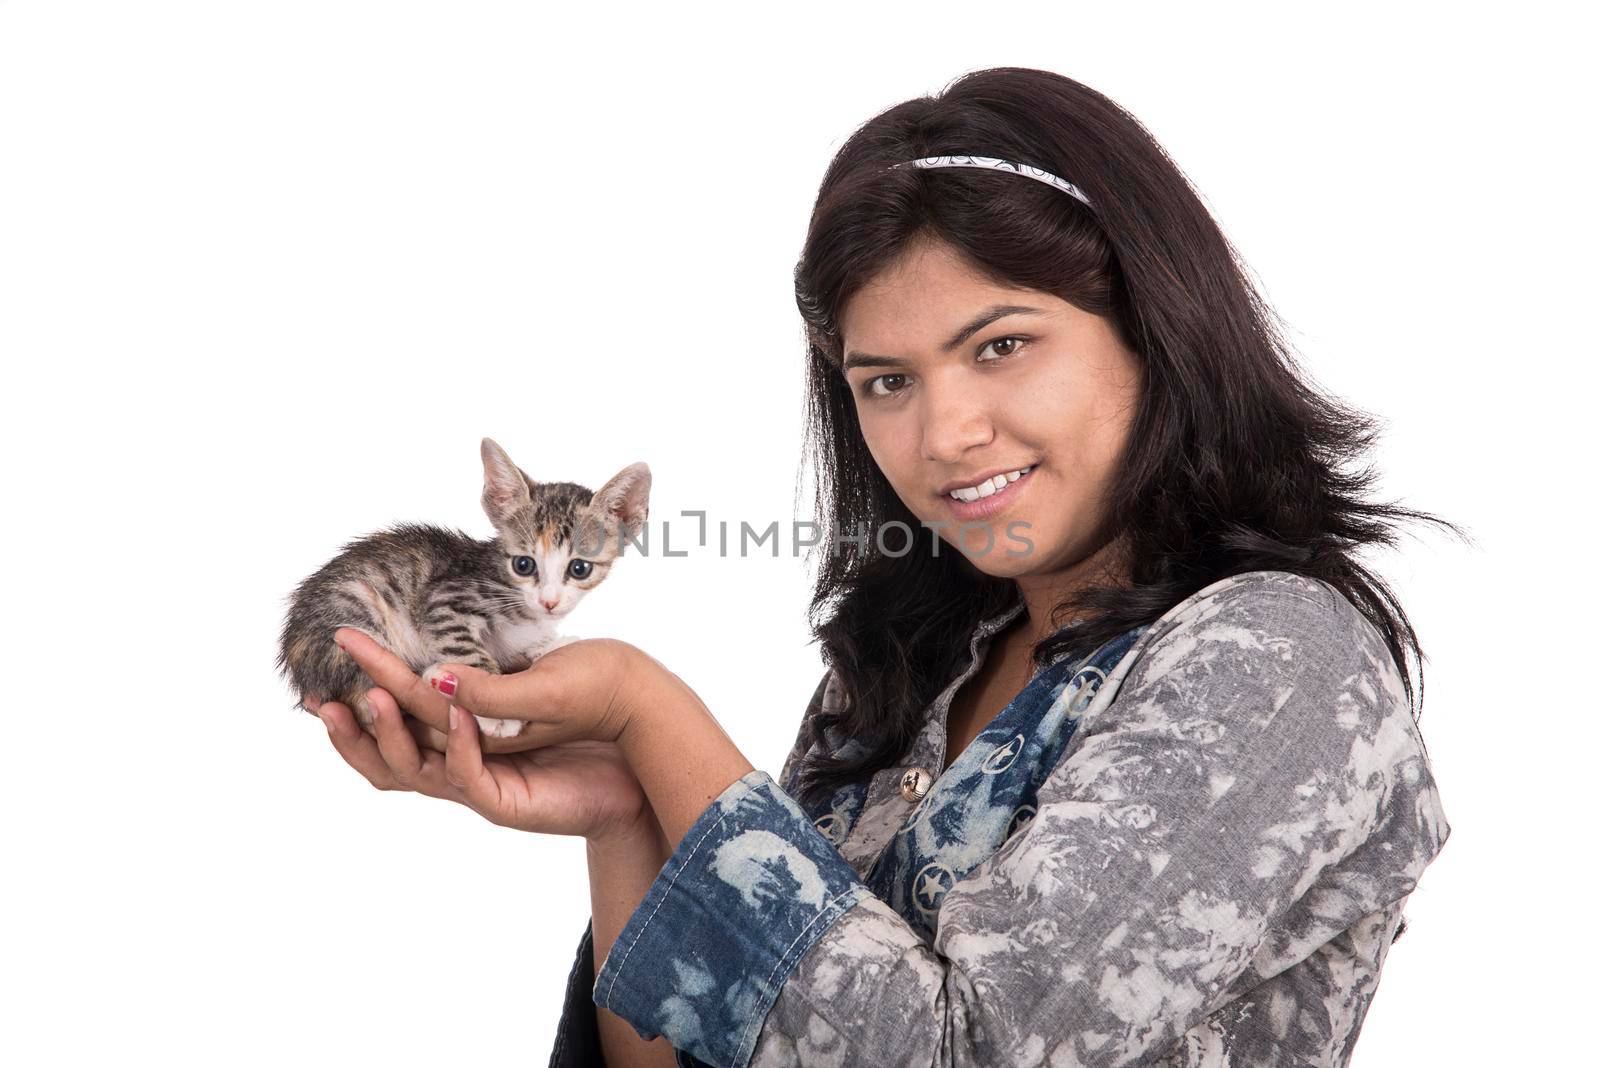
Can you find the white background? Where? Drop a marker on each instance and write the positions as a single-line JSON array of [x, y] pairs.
[[268, 271]]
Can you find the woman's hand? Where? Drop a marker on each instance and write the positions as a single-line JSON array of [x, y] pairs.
[[575, 692], [596, 690], [562, 774], [579, 788]]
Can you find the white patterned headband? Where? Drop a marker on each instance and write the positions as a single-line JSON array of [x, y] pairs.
[[991, 163]]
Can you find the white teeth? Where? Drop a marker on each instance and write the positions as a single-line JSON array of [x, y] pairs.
[[993, 485]]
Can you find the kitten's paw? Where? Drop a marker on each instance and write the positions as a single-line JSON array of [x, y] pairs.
[[500, 728]]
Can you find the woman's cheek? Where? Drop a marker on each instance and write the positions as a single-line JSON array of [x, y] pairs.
[[895, 456]]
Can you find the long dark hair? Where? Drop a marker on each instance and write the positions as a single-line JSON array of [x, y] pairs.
[[1233, 464]]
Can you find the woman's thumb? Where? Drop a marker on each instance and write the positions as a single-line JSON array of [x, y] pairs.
[[469, 687]]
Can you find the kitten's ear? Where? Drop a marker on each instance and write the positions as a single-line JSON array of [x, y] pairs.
[[625, 498], [505, 487]]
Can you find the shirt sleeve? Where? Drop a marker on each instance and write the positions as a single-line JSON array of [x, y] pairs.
[[1254, 788], [577, 1031]]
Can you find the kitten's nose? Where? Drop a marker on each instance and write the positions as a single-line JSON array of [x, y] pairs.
[[549, 606]]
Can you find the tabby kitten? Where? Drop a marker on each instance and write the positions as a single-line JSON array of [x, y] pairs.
[[432, 595]]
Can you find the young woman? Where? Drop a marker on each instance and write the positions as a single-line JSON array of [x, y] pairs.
[[1115, 759]]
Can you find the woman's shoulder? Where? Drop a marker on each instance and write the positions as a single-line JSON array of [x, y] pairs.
[[1240, 648], [1276, 690], [1267, 617], [1247, 590]]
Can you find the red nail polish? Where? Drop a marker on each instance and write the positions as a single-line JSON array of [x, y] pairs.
[[445, 683]]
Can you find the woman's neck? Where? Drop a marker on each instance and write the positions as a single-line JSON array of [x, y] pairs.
[[1043, 592]]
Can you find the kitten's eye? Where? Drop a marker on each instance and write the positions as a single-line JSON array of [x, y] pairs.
[[523, 565], [579, 569]]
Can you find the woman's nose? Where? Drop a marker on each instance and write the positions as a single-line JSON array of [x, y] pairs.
[[952, 423]]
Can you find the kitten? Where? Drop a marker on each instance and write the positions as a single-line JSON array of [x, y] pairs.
[[432, 595]]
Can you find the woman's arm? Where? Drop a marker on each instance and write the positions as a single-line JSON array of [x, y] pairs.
[[621, 869], [1254, 789], [620, 873], [680, 753]]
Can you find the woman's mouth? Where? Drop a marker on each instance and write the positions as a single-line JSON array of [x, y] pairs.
[[988, 498]]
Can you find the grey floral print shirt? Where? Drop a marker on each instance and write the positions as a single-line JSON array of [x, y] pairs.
[[1190, 849]]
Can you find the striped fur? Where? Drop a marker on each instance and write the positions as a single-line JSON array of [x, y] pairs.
[[432, 595]]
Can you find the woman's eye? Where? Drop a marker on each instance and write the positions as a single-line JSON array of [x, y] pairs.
[[1014, 343], [579, 569], [887, 385], [872, 386], [522, 565]]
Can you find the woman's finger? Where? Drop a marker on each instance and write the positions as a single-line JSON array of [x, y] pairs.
[[529, 694], [463, 764], [428, 739], [413, 768], [355, 745], [395, 675]]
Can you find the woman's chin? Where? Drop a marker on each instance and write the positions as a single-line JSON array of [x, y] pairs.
[[1002, 556], [999, 565]]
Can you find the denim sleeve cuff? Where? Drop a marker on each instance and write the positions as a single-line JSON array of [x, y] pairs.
[[748, 891]]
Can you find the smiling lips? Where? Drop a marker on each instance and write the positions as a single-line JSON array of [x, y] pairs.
[[989, 486], [989, 497]]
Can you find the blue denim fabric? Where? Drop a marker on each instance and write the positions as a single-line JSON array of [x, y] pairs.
[[578, 1033], [577, 1042], [746, 893], [988, 792], [757, 879]]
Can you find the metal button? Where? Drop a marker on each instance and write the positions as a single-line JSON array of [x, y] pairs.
[[914, 783]]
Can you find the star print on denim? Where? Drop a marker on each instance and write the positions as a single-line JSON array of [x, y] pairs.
[[835, 819], [974, 807]]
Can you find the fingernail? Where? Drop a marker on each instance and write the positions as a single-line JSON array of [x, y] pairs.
[[455, 717], [444, 682]]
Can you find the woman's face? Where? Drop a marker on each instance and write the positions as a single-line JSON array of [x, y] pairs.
[[949, 393]]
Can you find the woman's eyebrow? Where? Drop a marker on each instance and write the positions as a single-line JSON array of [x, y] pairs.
[[979, 321]]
